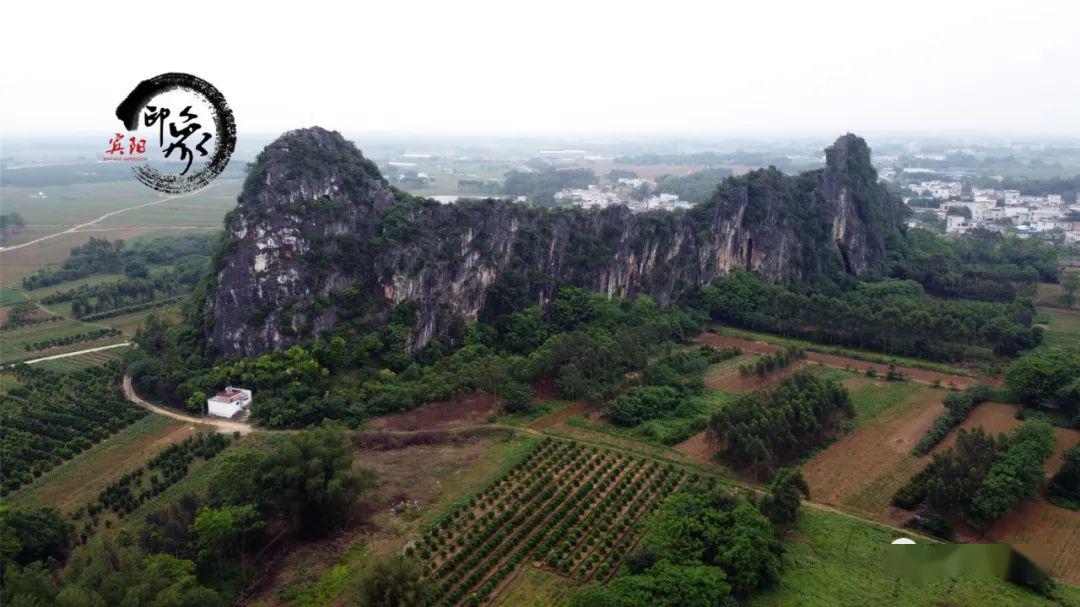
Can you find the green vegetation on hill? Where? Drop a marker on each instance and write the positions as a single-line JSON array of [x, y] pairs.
[[586, 343]]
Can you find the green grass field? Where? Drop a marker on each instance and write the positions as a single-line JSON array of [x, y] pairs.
[[81, 361], [11, 296], [13, 341], [1062, 328], [836, 561]]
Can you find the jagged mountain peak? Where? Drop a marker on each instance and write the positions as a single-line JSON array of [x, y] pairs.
[[320, 239], [309, 163]]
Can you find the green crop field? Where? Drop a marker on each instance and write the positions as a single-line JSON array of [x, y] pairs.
[[834, 560], [13, 341], [1062, 328], [81, 479], [10, 296], [81, 361]]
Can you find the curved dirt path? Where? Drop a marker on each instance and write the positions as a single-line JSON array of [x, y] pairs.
[[224, 426]]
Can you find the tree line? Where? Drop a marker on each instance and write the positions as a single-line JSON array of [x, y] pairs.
[[891, 316], [101, 256]]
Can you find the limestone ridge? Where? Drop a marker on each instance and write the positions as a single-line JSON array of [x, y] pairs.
[[320, 238]]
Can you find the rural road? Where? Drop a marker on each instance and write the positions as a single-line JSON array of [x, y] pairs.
[[77, 352], [103, 217], [223, 425]]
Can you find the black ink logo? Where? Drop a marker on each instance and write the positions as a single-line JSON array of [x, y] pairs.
[[181, 133]]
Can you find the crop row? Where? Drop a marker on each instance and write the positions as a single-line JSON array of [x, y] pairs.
[[49, 417], [135, 488], [575, 509]]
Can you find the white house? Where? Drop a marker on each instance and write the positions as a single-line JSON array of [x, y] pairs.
[[228, 402]]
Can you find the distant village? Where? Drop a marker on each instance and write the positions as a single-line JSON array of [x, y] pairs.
[[994, 209], [636, 193]]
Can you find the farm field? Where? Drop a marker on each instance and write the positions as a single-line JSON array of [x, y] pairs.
[[833, 560], [94, 279], [573, 508], [1049, 294], [429, 480], [78, 481], [924, 372], [860, 471], [999, 418], [80, 361], [533, 587], [1063, 328], [129, 323], [10, 296], [50, 418], [67, 206], [13, 341]]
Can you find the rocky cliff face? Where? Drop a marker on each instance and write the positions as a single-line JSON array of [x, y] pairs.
[[319, 238]]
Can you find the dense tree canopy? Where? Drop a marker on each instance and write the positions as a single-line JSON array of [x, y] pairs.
[[763, 430], [891, 316], [1047, 376], [981, 478]]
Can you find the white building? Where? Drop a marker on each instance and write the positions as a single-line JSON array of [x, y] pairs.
[[956, 224], [228, 402]]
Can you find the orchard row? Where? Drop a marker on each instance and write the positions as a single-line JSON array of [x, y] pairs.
[[573, 509]]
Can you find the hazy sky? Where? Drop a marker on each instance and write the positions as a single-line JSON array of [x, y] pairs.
[[511, 67]]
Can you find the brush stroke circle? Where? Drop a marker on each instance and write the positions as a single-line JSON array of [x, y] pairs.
[[129, 110]]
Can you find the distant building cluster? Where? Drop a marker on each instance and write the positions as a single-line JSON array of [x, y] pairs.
[[637, 194], [999, 210]]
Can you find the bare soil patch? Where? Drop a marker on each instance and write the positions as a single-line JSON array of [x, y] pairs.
[[1047, 534], [697, 448], [733, 381], [862, 470], [464, 411]]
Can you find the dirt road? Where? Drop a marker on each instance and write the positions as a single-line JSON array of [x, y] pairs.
[[223, 426]]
